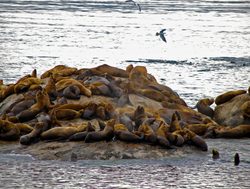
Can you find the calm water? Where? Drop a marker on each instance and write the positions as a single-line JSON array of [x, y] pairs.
[[207, 53]]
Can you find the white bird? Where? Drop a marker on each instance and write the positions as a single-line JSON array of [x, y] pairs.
[[161, 34], [136, 4]]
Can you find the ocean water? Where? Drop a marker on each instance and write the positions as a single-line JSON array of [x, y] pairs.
[[207, 53]]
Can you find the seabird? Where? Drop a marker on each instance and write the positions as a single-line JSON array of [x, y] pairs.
[[161, 33], [136, 4]]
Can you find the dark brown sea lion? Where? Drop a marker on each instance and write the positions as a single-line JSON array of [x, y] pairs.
[[72, 92], [106, 134], [228, 96], [215, 154], [33, 136], [203, 106], [236, 159], [89, 111]]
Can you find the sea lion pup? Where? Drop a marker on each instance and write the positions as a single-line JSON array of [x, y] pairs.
[[122, 133], [236, 159], [203, 106], [106, 134], [148, 133], [25, 84], [239, 131], [80, 136], [50, 88], [33, 136], [62, 84], [61, 70], [42, 103], [215, 154], [72, 92], [228, 96], [116, 72], [62, 133], [8, 130]]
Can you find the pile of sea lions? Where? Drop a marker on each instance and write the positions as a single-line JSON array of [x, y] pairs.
[[106, 103]]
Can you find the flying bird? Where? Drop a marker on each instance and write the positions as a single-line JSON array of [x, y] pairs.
[[136, 4], [161, 34]]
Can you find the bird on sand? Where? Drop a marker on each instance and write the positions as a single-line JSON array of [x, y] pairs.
[[136, 4], [161, 34]]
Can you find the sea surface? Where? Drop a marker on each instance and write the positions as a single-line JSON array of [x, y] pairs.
[[207, 53]]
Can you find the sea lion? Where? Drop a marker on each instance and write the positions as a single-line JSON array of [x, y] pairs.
[[215, 154], [25, 84], [89, 111], [62, 133], [239, 131], [62, 84], [125, 120], [33, 136], [8, 130], [50, 88], [122, 133], [80, 136], [174, 124], [149, 134], [116, 72], [228, 96], [21, 106], [162, 135], [72, 92], [6, 91], [203, 106], [196, 140], [245, 108], [106, 134], [139, 116], [67, 114], [42, 103], [61, 70], [236, 159]]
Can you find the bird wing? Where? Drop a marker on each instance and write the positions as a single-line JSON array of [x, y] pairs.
[[163, 37], [162, 30]]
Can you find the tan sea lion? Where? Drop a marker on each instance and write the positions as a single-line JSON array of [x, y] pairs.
[[67, 114], [116, 72], [62, 133], [50, 88], [228, 96], [6, 91], [106, 134], [61, 70], [62, 84], [26, 84], [162, 135]]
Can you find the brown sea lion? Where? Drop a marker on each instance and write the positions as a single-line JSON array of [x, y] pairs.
[[21, 106], [62, 133], [116, 72], [215, 154], [122, 133], [125, 120], [174, 124], [72, 92], [228, 96], [61, 70], [106, 134], [149, 135], [25, 84], [203, 106], [80, 136], [196, 140], [50, 88], [236, 132], [89, 111], [62, 84], [245, 108], [67, 114], [6, 91], [162, 135], [33, 136], [8, 130]]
